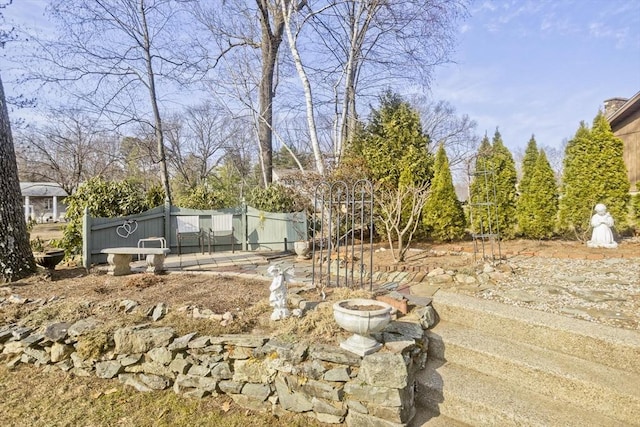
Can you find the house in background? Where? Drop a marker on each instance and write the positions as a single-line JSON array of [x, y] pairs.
[[624, 116], [43, 201]]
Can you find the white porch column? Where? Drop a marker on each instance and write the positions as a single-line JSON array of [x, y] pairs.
[[26, 208], [55, 208]]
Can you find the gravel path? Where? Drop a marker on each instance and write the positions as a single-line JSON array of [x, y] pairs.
[[605, 291]]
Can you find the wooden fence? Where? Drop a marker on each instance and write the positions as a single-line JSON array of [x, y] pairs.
[[254, 230]]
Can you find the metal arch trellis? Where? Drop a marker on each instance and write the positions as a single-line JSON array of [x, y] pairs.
[[345, 218], [483, 214]]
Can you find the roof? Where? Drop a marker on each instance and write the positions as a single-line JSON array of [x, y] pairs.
[[625, 110], [42, 189]]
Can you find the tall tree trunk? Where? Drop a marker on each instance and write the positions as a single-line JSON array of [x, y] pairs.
[[16, 258], [287, 11], [159, 134], [269, 45]]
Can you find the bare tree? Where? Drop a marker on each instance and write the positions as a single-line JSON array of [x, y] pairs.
[[198, 141], [111, 50], [369, 43], [400, 210], [248, 25], [457, 132], [68, 149], [289, 12]]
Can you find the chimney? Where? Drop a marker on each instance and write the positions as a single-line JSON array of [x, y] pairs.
[[612, 105]]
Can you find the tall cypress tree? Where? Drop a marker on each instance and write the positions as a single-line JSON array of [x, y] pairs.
[[528, 164], [538, 205], [443, 215], [594, 172], [506, 177]]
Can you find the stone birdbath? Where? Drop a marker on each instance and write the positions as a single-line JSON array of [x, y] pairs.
[[362, 317], [49, 258]]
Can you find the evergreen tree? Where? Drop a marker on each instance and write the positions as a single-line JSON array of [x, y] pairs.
[[481, 191], [393, 143], [506, 178], [528, 164], [538, 205], [443, 215], [594, 172]]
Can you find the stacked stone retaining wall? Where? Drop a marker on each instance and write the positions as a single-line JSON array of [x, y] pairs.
[[257, 372]]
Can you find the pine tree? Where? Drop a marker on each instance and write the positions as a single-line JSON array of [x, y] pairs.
[[594, 172], [443, 215], [538, 205]]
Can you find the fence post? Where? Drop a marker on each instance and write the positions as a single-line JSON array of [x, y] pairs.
[[86, 239], [167, 222], [243, 225]]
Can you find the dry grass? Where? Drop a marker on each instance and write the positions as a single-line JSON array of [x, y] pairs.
[[33, 398]]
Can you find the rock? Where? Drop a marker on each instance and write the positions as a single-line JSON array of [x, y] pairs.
[[155, 382], [179, 366], [83, 326], [17, 299], [160, 355], [291, 400], [339, 374], [128, 305], [13, 347], [134, 340], [334, 354], [436, 272], [159, 311], [108, 369], [384, 370], [200, 342], [259, 392], [129, 359], [20, 332], [60, 352], [181, 343], [57, 331], [133, 381], [427, 315]]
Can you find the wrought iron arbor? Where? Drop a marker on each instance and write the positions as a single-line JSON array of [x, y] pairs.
[[342, 232]]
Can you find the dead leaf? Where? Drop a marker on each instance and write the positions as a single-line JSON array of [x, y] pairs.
[[226, 406]]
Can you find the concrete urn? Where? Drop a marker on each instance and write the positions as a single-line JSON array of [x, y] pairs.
[[362, 317], [302, 249]]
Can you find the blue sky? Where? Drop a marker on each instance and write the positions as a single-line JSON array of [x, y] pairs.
[[524, 66], [540, 67]]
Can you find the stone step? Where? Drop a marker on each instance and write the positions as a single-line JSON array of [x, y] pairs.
[[614, 347], [576, 381], [482, 400], [426, 417]]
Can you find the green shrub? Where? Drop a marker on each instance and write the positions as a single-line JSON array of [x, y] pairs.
[[103, 199]]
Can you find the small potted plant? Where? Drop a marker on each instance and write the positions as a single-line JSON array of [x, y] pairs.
[[46, 255]]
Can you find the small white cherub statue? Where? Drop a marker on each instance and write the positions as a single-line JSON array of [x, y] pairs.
[[602, 221], [278, 288]]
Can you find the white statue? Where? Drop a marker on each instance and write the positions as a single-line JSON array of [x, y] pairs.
[[278, 288], [602, 221]]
